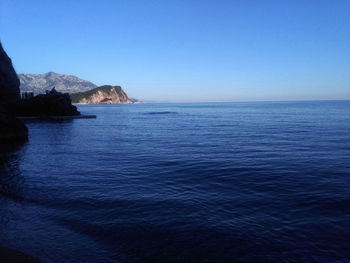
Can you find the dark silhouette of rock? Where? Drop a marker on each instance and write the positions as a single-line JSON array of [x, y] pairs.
[[51, 104], [9, 82], [11, 129]]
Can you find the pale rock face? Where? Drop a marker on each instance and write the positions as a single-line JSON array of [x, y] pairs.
[[9, 82], [105, 95], [39, 83]]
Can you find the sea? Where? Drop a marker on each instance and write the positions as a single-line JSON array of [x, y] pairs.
[[182, 182]]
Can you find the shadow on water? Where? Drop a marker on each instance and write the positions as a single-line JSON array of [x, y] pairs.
[[11, 183], [10, 176]]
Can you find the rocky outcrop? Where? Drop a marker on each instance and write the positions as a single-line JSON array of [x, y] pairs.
[[9, 82], [11, 129], [39, 83], [102, 95], [51, 104]]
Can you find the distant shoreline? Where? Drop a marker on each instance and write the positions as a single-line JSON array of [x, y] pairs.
[[215, 102]]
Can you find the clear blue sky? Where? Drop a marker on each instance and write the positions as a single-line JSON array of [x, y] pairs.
[[183, 50]]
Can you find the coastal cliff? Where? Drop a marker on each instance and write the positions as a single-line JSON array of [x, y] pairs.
[[12, 130], [9, 82], [102, 95]]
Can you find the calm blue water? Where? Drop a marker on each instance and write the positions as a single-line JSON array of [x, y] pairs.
[[225, 182]]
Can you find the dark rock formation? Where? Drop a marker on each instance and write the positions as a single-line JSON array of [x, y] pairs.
[[11, 129], [102, 95], [9, 82], [51, 104]]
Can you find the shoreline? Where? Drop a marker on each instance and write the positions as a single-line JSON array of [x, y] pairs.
[[56, 117]]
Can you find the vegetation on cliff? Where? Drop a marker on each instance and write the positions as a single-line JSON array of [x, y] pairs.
[[102, 95], [51, 104]]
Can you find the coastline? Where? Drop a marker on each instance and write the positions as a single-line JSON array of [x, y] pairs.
[[56, 117]]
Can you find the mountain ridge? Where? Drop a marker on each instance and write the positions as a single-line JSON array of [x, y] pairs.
[[39, 83]]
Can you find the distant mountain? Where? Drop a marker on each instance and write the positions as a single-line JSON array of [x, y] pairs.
[[102, 95], [39, 83], [135, 101]]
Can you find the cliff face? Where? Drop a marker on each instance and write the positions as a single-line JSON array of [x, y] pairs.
[[11, 129], [9, 82], [39, 83], [102, 95]]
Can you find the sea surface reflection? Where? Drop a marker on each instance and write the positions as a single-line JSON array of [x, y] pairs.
[[207, 182]]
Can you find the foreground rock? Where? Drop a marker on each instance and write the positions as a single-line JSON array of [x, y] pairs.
[[11, 130], [102, 95], [52, 104], [9, 82]]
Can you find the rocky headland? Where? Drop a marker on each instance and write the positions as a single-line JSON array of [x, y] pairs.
[[81, 91], [102, 95]]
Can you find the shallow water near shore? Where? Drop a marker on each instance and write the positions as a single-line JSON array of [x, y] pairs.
[[205, 182]]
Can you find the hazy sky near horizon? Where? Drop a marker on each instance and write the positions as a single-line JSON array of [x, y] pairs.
[[185, 50]]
